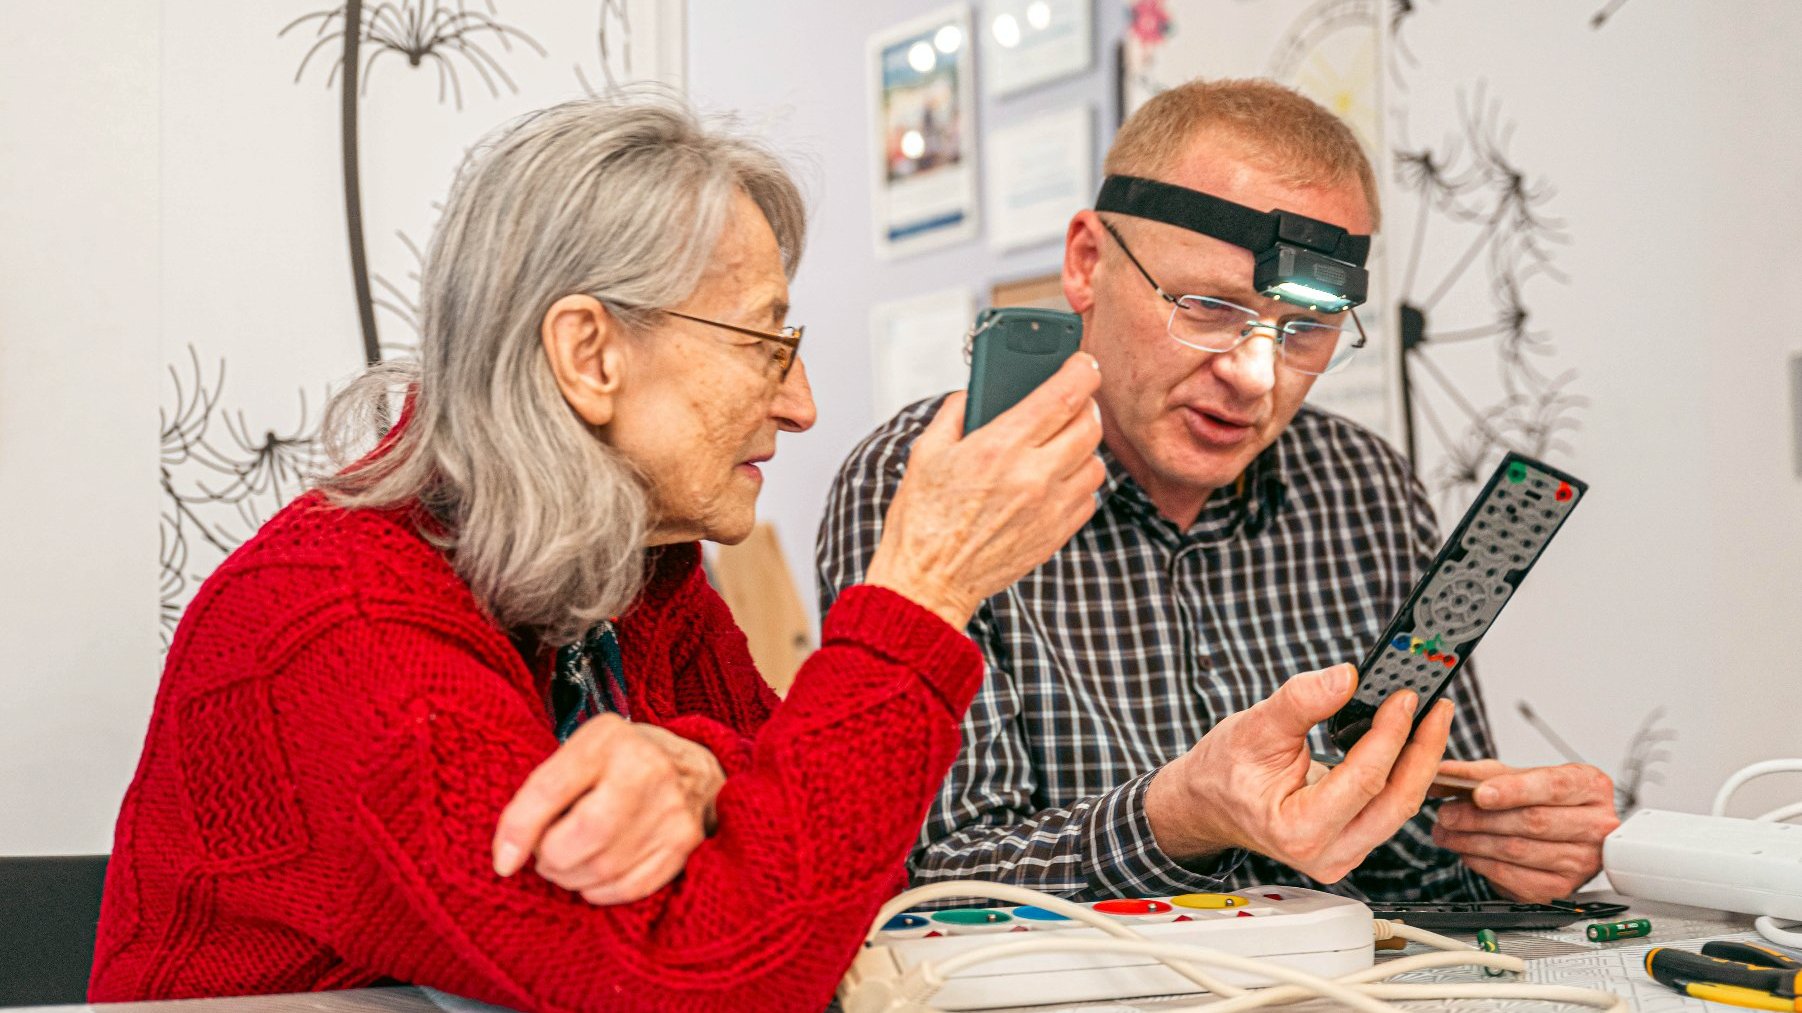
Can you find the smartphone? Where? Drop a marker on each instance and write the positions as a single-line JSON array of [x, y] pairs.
[[1501, 536], [1012, 351]]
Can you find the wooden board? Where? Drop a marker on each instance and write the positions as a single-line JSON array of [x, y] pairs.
[[754, 579]]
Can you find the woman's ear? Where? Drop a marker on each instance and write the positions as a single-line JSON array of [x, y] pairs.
[[585, 347]]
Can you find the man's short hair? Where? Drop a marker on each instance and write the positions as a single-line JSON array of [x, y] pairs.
[[1283, 132]]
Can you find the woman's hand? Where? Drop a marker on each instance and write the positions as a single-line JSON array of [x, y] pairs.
[[975, 513], [614, 813]]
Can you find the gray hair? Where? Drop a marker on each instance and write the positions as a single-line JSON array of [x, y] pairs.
[[622, 198]]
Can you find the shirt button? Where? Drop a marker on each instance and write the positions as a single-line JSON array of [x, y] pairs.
[[1204, 663]]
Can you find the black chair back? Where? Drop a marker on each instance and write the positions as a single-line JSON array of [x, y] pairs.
[[49, 908]]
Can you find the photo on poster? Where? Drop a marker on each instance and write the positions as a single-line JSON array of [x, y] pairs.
[[1027, 43], [923, 114]]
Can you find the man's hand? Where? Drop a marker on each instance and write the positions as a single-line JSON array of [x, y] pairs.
[[1534, 833], [614, 813], [1246, 783]]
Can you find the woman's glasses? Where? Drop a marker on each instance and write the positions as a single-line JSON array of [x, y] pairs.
[[787, 340]]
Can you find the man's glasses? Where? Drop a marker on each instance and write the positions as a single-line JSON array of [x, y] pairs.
[[1208, 324], [787, 341]]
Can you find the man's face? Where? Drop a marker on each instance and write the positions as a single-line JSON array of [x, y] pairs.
[[1186, 422]]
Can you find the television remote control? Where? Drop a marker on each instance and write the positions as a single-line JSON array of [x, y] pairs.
[[1455, 602]]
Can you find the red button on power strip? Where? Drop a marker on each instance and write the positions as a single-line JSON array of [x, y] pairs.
[[1132, 907]]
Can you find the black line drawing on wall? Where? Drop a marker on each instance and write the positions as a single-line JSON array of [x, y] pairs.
[[402, 304], [1481, 219], [613, 40], [220, 478], [447, 35]]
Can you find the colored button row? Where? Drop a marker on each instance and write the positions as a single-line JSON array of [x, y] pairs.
[[976, 921]]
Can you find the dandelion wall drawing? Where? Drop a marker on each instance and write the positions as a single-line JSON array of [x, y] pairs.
[[316, 140], [221, 479], [1482, 240], [613, 42], [449, 37]]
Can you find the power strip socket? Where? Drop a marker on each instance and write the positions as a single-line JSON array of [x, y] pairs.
[[1715, 862]]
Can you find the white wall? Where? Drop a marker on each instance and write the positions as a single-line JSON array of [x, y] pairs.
[[78, 380]]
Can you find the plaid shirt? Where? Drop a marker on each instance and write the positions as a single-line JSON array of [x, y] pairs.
[[1116, 655]]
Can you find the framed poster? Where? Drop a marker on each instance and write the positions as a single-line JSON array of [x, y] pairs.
[[917, 348], [1041, 170], [923, 119], [1026, 43]]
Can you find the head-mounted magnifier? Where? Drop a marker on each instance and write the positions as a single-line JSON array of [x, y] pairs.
[[1299, 260]]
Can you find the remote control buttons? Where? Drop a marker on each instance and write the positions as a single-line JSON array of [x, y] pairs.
[[1564, 493], [1517, 472]]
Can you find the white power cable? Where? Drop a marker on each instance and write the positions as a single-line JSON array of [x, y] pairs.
[[1781, 813], [1755, 770], [1782, 935], [1363, 990]]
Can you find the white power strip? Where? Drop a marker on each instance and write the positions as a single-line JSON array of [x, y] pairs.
[[1708, 861], [1304, 929]]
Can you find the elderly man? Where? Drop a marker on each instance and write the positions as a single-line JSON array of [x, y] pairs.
[[1135, 734]]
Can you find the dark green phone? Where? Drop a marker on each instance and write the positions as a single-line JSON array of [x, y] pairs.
[[1013, 350]]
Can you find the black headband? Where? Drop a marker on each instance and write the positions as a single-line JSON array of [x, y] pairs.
[[1237, 224]]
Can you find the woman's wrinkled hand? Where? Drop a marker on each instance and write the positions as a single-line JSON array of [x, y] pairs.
[[975, 513], [614, 813]]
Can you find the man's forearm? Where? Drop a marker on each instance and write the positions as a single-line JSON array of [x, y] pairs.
[[1099, 846]]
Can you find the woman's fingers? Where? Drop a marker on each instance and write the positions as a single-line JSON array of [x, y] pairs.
[[551, 788], [605, 827]]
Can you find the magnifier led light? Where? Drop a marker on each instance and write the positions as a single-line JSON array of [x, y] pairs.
[[1305, 278]]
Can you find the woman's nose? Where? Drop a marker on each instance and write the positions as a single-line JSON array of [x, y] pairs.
[[794, 409]]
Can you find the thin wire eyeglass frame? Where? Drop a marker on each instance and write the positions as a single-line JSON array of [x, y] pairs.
[[789, 337], [1280, 333]]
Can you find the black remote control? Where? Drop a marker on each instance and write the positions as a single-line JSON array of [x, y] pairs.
[[1502, 534]]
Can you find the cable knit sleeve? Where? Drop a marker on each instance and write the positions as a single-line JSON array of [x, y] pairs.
[[405, 744]]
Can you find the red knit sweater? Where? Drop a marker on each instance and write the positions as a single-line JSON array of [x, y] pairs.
[[339, 726]]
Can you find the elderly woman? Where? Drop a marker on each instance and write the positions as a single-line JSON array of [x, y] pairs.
[[469, 715]]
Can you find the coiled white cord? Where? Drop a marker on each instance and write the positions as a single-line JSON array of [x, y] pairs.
[[1768, 927], [1361, 990], [1756, 770]]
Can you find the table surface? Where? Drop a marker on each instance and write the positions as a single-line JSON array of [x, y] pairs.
[[1555, 956]]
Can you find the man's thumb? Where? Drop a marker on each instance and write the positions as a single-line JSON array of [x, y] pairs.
[[1308, 699]]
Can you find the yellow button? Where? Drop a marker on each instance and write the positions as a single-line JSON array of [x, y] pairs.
[[1210, 900]]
